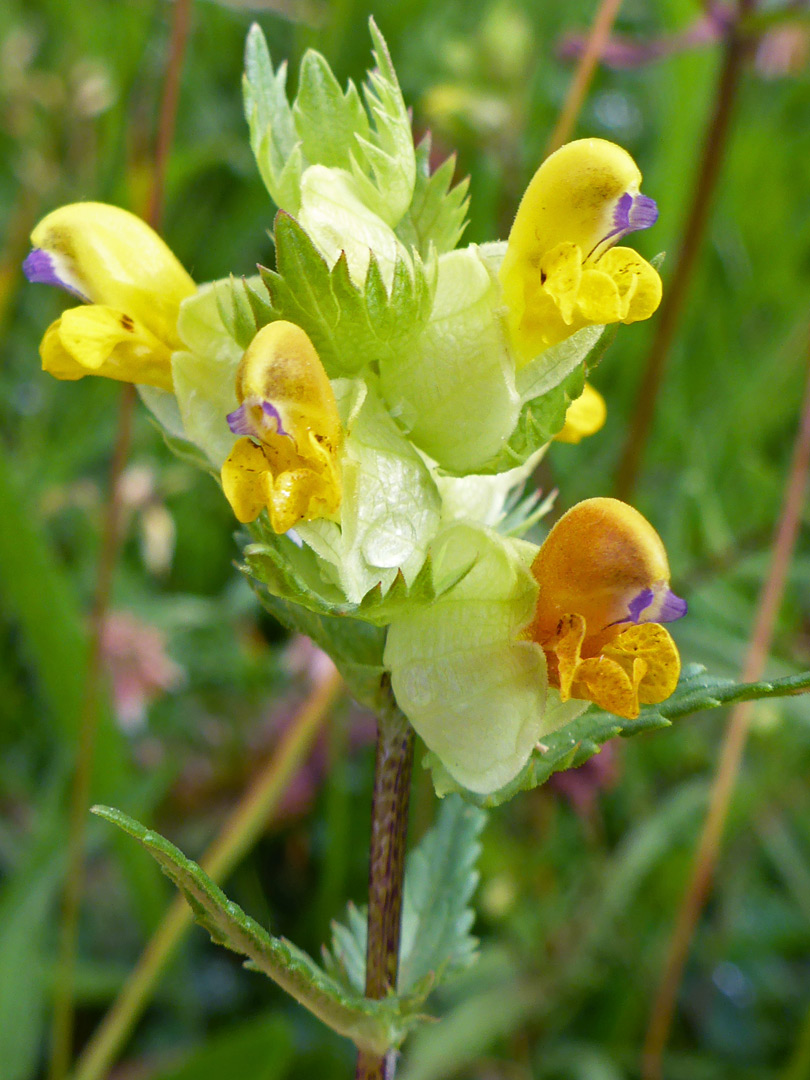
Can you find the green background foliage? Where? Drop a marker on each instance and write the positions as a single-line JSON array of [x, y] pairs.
[[579, 883]]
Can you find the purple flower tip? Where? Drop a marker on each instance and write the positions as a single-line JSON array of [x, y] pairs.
[[673, 607], [272, 413], [658, 604], [241, 421], [643, 213], [633, 212], [40, 269], [638, 604]]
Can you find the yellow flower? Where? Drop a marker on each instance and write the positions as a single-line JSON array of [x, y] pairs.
[[287, 463], [561, 271], [132, 286], [585, 416], [603, 580]]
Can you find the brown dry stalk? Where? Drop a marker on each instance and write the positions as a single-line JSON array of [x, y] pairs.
[[63, 1015], [580, 84], [715, 142], [731, 752]]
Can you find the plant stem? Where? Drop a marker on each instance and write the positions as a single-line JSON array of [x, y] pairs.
[[731, 752], [583, 76], [715, 141], [237, 837], [63, 1014], [389, 827]]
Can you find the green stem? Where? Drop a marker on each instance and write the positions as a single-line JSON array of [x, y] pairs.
[[389, 828]]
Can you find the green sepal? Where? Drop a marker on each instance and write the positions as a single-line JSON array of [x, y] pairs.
[[384, 163], [548, 390], [579, 740], [375, 1026], [165, 416], [437, 216], [293, 573], [326, 119], [273, 137], [350, 327], [440, 878]]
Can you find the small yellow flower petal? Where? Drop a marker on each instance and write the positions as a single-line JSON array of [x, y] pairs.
[[638, 283], [560, 275], [599, 300], [288, 405], [585, 416], [244, 480], [110, 257], [653, 644], [640, 667], [97, 340]]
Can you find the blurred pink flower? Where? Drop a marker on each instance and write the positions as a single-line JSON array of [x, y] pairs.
[[134, 654], [581, 786]]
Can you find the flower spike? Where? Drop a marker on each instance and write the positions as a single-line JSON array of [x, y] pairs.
[[603, 579], [287, 460], [561, 270], [131, 283]]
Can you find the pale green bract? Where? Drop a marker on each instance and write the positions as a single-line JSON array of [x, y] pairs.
[[439, 431], [472, 689]]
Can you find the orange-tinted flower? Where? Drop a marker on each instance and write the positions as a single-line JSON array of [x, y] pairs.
[[603, 577]]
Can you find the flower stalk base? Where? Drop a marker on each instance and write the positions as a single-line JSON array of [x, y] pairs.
[[389, 827]]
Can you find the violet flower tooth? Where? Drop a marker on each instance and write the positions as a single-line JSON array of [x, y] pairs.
[[40, 268], [242, 421]]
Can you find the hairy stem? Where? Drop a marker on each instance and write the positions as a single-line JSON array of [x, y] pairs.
[[237, 837], [715, 142], [389, 827], [63, 1014], [731, 752]]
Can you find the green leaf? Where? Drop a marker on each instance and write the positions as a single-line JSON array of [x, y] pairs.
[[539, 421], [326, 119], [273, 137], [547, 387], [440, 878], [375, 1026], [437, 216], [387, 153], [356, 647], [698, 691], [579, 740], [351, 327]]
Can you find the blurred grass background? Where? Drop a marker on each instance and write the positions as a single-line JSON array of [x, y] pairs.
[[580, 880]]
